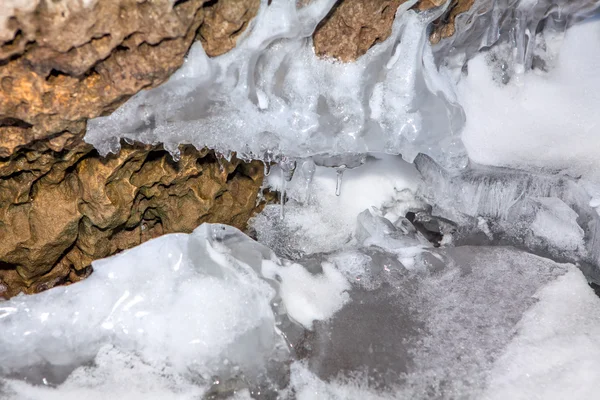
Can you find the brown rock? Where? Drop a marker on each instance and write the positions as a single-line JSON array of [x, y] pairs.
[[61, 205], [61, 63], [223, 22], [354, 26], [57, 217], [444, 27]]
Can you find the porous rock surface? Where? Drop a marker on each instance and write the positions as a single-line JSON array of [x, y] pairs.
[[354, 26], [65, 61], [62, 62]]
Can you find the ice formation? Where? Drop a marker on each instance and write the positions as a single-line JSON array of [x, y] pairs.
[[458, 276], [271, 97]]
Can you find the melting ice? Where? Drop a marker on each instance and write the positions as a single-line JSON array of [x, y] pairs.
[[457, 276]]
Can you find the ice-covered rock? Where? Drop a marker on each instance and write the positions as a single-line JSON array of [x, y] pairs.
[[272, 97]]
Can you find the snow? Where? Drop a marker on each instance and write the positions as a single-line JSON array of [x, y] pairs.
[[544, 121], [556, 354]]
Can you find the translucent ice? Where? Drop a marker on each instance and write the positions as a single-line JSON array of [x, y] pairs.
[[195, 306], [272, 97]]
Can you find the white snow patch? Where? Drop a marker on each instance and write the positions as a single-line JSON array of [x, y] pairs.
[[556, 353]]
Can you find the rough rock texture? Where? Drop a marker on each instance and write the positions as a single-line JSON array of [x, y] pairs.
[[61, 211], [445, 27], [62, 62], [354, 26]]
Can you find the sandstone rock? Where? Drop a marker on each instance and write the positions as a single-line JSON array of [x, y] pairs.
[[63, 62], [56, 217], [354, 26]]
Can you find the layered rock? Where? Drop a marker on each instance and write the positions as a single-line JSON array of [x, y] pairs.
[[60, 211]]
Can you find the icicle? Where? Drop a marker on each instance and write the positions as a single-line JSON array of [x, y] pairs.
[[287, 167], [519, 42], [338, 183], [267, 165], [259, 197], [175, 155], [282, 194], [128, 141], [308, 172]]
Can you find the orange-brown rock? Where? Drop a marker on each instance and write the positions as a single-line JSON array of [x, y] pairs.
[[63, 62], [59, 211], [354, 26]]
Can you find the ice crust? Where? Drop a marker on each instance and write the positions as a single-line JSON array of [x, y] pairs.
[[271, 97], [383, 315], [196, 305]]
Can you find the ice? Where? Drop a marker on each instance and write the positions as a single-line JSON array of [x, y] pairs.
[[271, 97], [374, 278], [434, 333], [556, 352], [557, 223], [307, 297], [316, 220], [192, 306], [551, 352]]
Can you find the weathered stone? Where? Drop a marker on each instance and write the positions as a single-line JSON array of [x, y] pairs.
[[223, 22], [354, 26], [445, 27], [61, 63], [57, 217]]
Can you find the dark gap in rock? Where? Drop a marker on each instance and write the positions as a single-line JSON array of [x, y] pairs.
[[240, 29], [4, 266], [14, 41], [209, 3], [208, 159], [54, 74], [429, 229], [14, 123], [239, 170]]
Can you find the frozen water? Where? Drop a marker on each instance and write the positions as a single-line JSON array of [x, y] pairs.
[[344, 297], [185, 307], [271, 96], [546, 121]]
